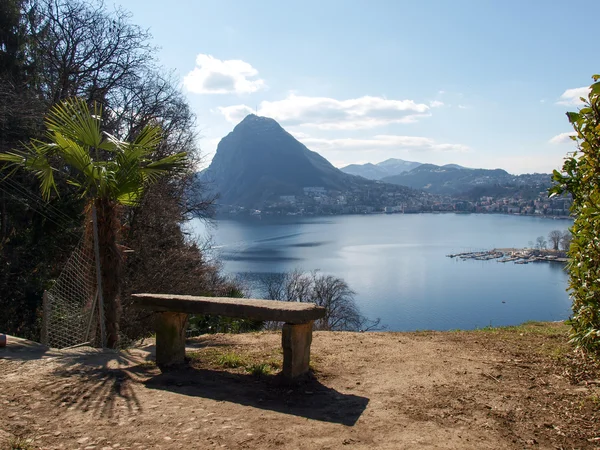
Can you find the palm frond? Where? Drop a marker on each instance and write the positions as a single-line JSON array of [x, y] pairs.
[[72, 118], [149, 138], [74, 154], [33, 159], [130, 198], [111, 143], [172, 163]]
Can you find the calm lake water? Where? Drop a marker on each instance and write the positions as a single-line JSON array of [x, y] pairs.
[[398, 267]]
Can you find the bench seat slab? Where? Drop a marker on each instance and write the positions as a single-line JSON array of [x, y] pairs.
[[243, 308]]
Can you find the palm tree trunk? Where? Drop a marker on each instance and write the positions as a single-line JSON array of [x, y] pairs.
[[111, 266]]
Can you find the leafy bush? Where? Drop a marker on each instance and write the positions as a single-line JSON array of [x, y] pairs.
[[580, 177]]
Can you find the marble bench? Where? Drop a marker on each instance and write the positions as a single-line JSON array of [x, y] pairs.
[[172, 315]]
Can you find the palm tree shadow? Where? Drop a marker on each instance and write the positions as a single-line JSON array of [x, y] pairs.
[[308, 398], [92, 384]]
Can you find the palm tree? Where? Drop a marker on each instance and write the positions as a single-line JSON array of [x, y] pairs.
[[106, 171]]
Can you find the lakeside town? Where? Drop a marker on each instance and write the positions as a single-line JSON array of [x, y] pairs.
[[380, 199]]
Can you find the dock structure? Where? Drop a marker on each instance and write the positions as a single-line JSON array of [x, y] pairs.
[[514, 255]]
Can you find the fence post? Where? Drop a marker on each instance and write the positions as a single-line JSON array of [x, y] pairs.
[[99, 279], [45, 319]]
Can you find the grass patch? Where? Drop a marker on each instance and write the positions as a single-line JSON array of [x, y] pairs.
[[530, 327], [258, 364], [274, 364], [547, 339], [259, 370], [231, 360], [19, 443], [595, 400]]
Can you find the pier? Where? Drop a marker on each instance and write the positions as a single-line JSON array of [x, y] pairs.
[[514, 255]]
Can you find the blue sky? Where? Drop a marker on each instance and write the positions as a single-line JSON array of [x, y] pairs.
[[473, 82]]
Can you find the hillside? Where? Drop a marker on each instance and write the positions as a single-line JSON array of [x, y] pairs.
[[387, 168], [455, 180], [259, 162]]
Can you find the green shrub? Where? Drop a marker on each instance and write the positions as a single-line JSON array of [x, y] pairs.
[[580, 177]]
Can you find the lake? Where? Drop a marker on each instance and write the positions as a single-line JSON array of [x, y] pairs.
[[397, 264]]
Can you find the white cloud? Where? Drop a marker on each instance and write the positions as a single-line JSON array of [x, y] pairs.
[[571, 97], [214, 76], [382, 141], [299, 135], [331, 114], [235, 114], [563, 138], [436, 104]]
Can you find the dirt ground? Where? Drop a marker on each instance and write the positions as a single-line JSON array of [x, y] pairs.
[[489, 389]]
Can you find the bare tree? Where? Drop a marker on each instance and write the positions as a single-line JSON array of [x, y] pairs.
[[337, 298], [554, 237], [541, 243], [86, 50], [328, 291], [565, 240]]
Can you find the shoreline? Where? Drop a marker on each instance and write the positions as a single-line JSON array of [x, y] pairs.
[[227, 216]]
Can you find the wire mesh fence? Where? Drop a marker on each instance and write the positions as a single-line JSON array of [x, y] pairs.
[[70, 306]]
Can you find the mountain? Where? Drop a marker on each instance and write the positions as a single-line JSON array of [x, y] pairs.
[[453, 179], [386, 168], [368, 171], [395, 166], [259, 162]]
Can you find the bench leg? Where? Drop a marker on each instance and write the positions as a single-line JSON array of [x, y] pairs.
[[296, 340], [170, 338]]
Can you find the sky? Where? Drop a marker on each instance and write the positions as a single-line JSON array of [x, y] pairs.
[[472, 82]]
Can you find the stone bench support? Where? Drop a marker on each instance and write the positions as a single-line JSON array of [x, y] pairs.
[[296, 340], [170, 338], [172, 316]]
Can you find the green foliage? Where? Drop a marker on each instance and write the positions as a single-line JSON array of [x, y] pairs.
[[98, 164], [580, 177], [104, 170], [50, 51], [202, 324]]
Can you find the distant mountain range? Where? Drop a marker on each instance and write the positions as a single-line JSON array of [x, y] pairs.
[[451, 179], [259, 161], [386, 168], [455, 180]]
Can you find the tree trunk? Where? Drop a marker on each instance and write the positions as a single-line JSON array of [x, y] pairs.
[[111, 264]]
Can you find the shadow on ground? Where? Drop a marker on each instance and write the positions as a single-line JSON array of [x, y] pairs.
[[309, 398], [18, 349], [101, 391]]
